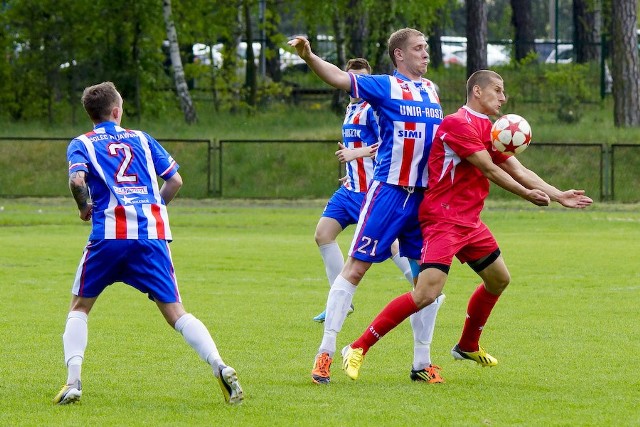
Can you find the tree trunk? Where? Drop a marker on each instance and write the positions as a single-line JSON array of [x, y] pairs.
[[381, 19], [186, 104], [476, 36], [624, 64], [522, 20], [251, 78], [135, 54], [586, 31], [272, 20], [435, 43], [355, 21], [338, 99]]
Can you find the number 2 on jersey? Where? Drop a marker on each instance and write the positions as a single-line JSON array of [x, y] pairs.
[[122, 176]]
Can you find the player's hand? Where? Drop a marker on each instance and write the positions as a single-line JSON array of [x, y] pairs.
[[373, 149], [302, 46], [343, 179], [574, 199], [344, 154], [538, 197], [86, 212]]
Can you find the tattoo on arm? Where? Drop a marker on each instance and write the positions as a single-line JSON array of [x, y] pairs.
[[79, 189]]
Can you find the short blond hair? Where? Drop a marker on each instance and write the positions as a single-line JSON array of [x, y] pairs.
[[398, 40]]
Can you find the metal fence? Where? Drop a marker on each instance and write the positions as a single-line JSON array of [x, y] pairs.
[[228, 168]]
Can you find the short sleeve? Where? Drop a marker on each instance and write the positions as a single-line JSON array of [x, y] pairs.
[[164, 164], [77, 157]]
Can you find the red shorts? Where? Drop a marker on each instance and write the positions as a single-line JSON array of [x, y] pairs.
[[441, 241]]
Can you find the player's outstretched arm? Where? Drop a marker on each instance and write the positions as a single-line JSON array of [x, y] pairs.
[[482, 160], [328, 72], [529, 179], [574, 199]]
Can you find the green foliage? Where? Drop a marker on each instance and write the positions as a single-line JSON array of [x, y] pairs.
[[571, 90], [569, 299], [54, 49]]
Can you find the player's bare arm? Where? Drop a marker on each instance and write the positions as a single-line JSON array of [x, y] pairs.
[[529, 179], [345, 154], [328, 72], [80, 192], [170, 188], [482, 160]]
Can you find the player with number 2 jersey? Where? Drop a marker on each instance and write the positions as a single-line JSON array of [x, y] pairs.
[[126, 198]]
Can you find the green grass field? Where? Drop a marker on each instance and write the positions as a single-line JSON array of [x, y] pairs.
[[565, 332]]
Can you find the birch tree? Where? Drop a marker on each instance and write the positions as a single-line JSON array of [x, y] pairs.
[[182, 89]]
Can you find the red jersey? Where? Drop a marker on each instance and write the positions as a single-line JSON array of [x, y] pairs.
[[457, 189]]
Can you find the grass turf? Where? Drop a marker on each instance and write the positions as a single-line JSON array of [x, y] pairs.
[[565, 332]]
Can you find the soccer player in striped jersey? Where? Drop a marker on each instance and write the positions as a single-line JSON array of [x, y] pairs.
[[360, 136], [409, 112], [113, 179], [359, 144], [461, 164]]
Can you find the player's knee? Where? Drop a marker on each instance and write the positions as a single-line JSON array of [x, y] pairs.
[[354, 272], [423, 296], [498, 284], [423, 301], [323, 237]]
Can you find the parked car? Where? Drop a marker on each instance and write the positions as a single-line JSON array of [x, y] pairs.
[[202, 54], [454, 55], [563, 54], [454, 52]]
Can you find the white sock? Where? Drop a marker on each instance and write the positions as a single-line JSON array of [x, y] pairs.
[[423, 323], [198, 337], [74, 341], [338, 303], [404, 266], [333, 260]]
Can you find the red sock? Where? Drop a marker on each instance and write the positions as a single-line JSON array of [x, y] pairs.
[[390, 317], [480, 305]]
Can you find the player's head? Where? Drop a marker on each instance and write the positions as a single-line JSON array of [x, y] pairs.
[[101, 102], [485, 92], [358, 64], [400, 40]]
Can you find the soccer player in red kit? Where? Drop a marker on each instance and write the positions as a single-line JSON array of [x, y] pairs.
[[461, 164]]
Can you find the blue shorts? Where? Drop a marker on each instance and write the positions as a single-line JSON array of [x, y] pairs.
[[389, 212], [344, 206], [144, 264]]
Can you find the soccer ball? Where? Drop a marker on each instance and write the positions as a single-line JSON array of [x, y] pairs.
[[511, 134]]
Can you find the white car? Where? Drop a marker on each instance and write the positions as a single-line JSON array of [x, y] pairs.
[[497, 55], [456, 54], [562, 55], [202, 54]]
